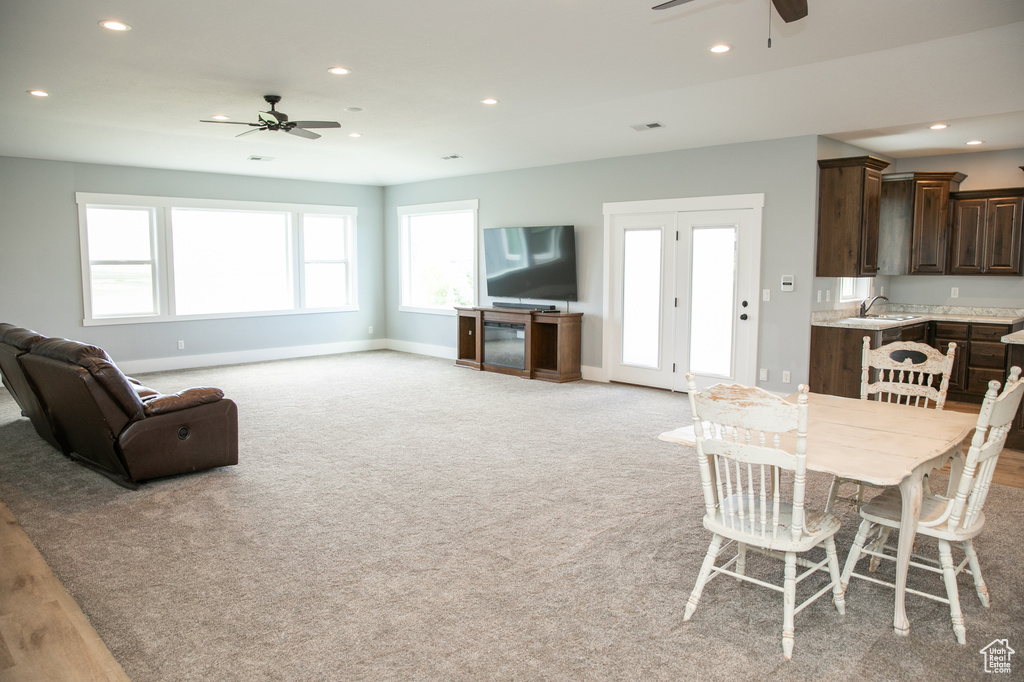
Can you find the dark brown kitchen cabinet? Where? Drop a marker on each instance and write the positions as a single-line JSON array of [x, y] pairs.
[[835, 367], [849, 196], [914, 222], [985, 236], [980, 357], [1015, 439]]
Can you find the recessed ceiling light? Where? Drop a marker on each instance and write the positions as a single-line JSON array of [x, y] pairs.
[[115, 25], [355, 134], [720, 48], [939, 126], [221, 117], [339, 70], [353, 110], [976, 142], [489, 100], [38, 93]]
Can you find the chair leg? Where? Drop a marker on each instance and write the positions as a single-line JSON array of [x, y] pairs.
[[833, 493], [855, 552], [949, 577], [702, 578], [741, 559], [789, 606], [979, 583], [833, 571], [860, 496], [878, 546]]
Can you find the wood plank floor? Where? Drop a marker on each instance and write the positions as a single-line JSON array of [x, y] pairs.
[[44, 636]]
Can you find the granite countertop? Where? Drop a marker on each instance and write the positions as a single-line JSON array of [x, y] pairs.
[[1014, 338], [920, 313]]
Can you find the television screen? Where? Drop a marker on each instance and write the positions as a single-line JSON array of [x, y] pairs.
[[531, 262]]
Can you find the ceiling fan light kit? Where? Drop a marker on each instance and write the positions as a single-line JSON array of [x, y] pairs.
[[278, 120]]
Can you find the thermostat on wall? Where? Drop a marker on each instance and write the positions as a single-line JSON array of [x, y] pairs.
[[787, 282]]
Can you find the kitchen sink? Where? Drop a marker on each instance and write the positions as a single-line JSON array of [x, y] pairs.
[[889, 318]]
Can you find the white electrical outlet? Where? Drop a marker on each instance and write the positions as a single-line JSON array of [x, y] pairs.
[[371, 328], [766, 295], [786, 378], [181, 344], [763, 374], [955, 293], [819, 295], [828, 295]]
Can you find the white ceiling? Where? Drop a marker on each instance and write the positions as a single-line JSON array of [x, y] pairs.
[[572, 77]]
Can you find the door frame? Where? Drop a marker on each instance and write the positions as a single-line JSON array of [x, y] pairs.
[[753, 202]]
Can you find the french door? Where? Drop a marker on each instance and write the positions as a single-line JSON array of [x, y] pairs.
[[682, 291]]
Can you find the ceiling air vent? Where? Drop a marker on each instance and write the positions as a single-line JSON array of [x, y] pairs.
[[640, 127], [261, 158], [450, 157]]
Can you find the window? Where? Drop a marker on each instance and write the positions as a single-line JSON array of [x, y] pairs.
[[438, 256], [853, 289], [155, 259]]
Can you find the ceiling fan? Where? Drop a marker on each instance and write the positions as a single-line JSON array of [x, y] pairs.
[[278, 120], [789, 10]]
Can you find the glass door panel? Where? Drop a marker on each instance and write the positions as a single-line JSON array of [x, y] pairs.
[[712, 304], [641, 297]]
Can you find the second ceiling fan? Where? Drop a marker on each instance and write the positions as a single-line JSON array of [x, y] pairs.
[[789, 10]]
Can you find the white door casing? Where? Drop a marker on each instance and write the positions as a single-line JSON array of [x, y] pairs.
[[663, 361]]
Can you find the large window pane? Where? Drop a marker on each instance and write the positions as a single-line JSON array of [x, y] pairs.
[[713, 300], [326, 285], [439, 260], [231, 261], [119, 234], [325, 254], [122, 289], [641, 297]]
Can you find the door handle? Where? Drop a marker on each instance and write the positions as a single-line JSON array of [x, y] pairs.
[[743, 316]]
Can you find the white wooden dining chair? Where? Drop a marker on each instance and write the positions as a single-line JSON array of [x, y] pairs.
[[903, 372], [752, 446], [947, 519]]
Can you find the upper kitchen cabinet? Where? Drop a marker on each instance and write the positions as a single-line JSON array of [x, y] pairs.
[[914, 231], [985, 236], [849, 197]]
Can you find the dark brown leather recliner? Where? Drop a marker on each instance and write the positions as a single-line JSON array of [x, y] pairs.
[[122, 429], [15, 342]]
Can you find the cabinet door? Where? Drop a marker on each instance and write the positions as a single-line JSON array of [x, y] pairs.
[[1003, 235], [967, 237], [914, 332], [958, 377], [868, 260], [930, 249]]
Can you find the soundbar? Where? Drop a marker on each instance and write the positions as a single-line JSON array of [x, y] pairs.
[[524, 306]]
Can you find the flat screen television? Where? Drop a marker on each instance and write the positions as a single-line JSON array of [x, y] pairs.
[[531, 262]]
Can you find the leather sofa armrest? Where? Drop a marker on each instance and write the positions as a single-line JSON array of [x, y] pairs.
[[190, 397]]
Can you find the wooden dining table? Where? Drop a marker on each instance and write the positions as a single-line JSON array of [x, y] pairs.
[[884, 444]]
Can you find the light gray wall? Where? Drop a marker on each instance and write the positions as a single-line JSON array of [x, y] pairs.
[[40, 263], [985, 170], [784, 170]]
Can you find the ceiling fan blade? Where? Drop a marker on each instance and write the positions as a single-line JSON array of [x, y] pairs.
[[301, 133], [791, 10], [316, 124], [249, 132], [670, 3], [237, 123]]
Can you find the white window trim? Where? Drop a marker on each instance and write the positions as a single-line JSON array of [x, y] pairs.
[[857, 297], [405, 212], [163, 256]]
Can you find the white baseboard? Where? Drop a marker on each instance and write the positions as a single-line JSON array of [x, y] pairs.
[[284, 353], [256, 355]]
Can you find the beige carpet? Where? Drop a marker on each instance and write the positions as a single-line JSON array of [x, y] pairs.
[[397, 518]]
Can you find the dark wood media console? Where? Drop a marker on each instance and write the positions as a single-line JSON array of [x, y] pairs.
[[551, 342]]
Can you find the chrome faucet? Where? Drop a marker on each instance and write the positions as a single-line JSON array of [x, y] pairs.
[[866, 304]]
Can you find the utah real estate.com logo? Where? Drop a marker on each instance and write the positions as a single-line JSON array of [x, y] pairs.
[[997, 656]]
